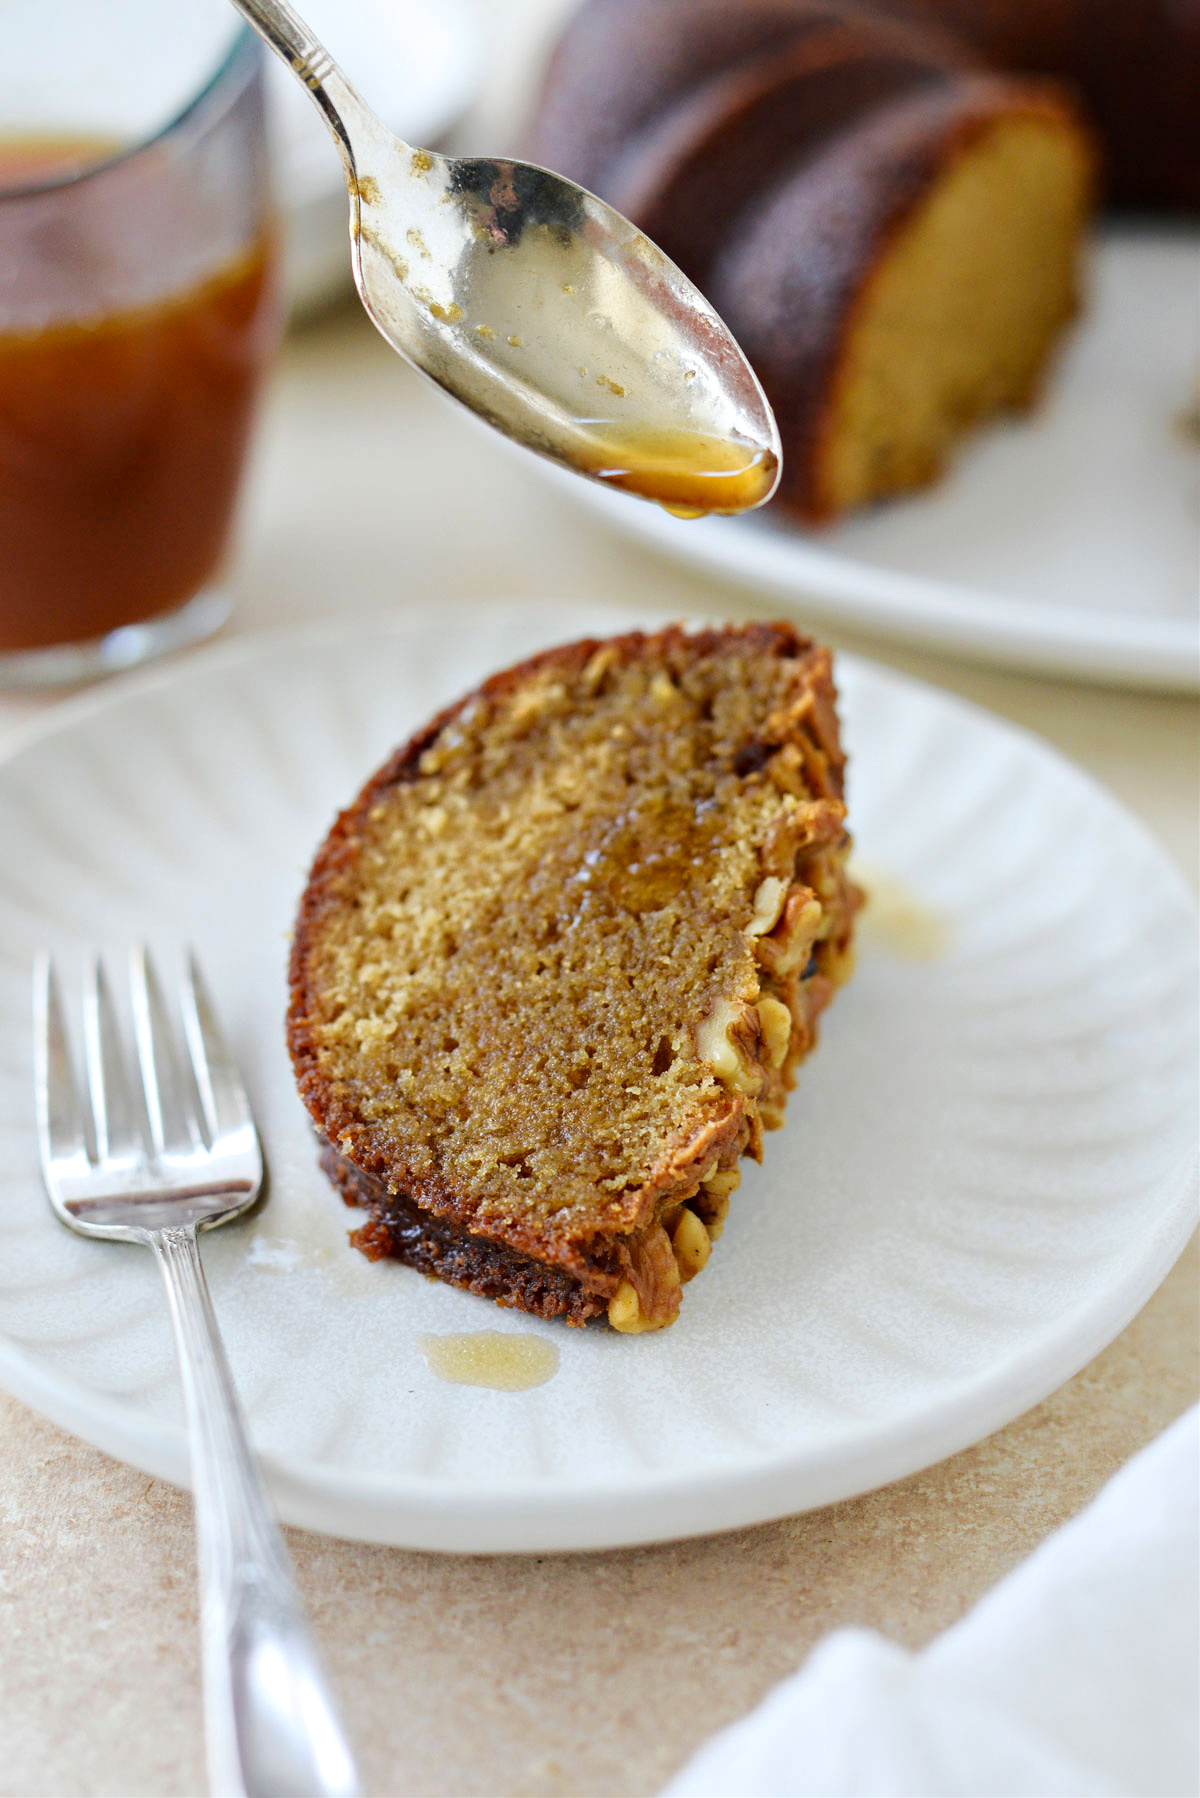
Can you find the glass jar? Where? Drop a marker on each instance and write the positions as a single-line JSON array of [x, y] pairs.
[[138, 311]]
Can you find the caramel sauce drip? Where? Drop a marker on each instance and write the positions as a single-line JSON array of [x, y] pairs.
[[121, 446], [688, 474], [504, 1363]]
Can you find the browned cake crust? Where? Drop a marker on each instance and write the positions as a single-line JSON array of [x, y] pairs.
[[399, 1230], [745, 128], [686, 789], [621, 66], [1134, 64]]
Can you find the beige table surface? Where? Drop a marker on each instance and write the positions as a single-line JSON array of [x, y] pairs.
[[576, 1674]]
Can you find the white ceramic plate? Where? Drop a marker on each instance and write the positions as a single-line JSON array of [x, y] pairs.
[[1065, 542], [985, 1171]]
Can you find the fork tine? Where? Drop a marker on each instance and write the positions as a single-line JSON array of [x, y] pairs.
[[115, 1122], [171, 1118], [61, 1135], [222, 1095]]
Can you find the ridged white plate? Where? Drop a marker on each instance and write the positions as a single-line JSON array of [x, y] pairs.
[[985, 1171], [1065, 541]]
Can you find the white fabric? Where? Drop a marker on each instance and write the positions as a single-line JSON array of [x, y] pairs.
[[1078, 1674]]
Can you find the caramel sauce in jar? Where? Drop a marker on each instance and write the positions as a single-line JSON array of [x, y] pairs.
[[688, 474], [122, 440]]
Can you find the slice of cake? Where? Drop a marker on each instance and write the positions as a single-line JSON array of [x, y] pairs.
[[555, 966]]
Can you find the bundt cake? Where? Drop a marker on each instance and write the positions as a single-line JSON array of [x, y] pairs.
[[890, 228], [556, 965], [1134, 65]]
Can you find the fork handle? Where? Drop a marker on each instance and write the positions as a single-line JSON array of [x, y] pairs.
[[271, 1728]]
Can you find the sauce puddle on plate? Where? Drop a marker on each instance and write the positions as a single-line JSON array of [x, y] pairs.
[[895, 920], [489, 1358]]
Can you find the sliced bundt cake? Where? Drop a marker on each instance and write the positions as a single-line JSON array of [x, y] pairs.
[[893, 235], [940, 264], [556, 965]]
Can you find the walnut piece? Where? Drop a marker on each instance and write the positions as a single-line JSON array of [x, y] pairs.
[[768, 903], [789, 945], [776, 1022], [691, 1243], [649, 1298], [725, 1040]]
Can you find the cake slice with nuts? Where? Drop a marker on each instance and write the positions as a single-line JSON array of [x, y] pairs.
[[556, 965]]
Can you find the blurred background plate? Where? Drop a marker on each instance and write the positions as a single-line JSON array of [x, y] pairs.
[[418, 63], [1065, 542]]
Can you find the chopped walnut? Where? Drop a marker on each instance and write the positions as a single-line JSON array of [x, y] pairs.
[[768, 903], [725, 1039], [649, 1298], [776, 1022], [598, 665], [624, 1311], [691, 1243], [790, 943], [533, 702]]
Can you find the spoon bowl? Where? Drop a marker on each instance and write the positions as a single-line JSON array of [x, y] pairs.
[[540, 308]]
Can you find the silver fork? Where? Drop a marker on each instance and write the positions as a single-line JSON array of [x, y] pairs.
[[155, 1167]]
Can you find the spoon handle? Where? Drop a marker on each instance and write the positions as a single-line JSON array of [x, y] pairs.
[[283, 30]]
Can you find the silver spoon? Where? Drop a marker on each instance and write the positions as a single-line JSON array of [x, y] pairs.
[[540, 308]]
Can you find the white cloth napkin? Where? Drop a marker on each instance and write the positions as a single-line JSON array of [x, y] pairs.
[[1078, 1674]]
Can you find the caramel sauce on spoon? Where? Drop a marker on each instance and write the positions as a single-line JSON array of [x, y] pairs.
[[688, 474]]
